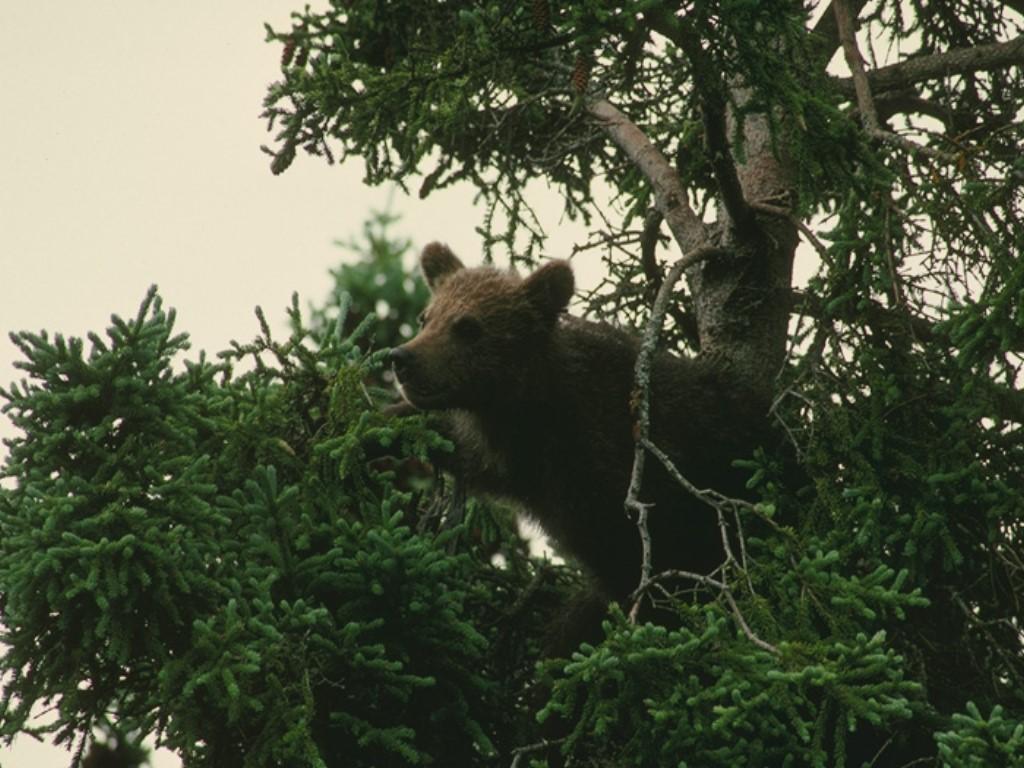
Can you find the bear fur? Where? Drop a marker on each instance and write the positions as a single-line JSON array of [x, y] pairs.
[[538, 405]]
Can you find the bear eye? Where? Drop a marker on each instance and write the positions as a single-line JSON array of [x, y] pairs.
[[467, 328], [422, 319]]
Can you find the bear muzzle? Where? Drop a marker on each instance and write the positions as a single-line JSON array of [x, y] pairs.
[[409, 379], [401, 361]]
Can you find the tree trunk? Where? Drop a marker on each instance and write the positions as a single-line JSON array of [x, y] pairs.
[[741, 297]]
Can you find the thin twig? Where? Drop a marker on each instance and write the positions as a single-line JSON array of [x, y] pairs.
[[541, 745], [719, 502], [726, 592], [641, 404], [786, 213]]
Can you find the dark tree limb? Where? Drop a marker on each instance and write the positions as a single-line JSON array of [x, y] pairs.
[[909, 102], [729, 188], [710, 90], [648, 246], [825, 31]]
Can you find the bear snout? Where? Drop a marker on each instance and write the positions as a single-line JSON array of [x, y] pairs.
[[410, 376], [401, 360]]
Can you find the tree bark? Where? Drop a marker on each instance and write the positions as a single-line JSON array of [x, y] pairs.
[[670, 199], [741, 292], [740, 299], [956, 62]]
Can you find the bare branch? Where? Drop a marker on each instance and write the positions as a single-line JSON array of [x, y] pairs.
[[847, 37], [862, 88], [540, 746], [958, 61], [641, 405], [718, 502], [825, 32], [726, 592], [632, 504], [669, 196]]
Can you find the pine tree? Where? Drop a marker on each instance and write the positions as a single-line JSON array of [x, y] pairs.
[[247, 558], [872, 613], [252, 561]]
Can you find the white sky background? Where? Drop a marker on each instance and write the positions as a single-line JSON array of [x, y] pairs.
[[129, 155]]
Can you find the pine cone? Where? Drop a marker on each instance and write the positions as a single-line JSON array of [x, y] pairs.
[[288, 52], [541, 15], [580, 73]]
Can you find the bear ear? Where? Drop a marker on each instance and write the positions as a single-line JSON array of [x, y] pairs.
[[438, 264], [550, 288]]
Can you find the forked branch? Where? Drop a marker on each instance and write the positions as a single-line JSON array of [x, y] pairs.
[[959, 61], [641, 400], [669, 196], [862, 87], [633, 504]]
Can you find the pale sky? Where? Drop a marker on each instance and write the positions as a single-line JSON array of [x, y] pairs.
[[129, 155]]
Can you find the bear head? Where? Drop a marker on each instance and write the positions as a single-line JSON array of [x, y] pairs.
[[483, 332]]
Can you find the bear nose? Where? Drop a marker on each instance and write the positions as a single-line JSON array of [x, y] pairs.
[[401, 359]]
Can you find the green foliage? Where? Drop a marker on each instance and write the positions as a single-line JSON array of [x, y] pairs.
[[891, 563], [111, 535], [975, 741], [702, 696], [233, 557], [377, 280], [484, 91], [255, 564]]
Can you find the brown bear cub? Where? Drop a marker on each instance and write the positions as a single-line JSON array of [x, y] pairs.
[[538, 405]]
